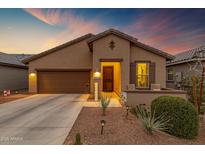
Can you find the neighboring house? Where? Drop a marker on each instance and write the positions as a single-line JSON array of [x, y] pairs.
[[112, 61], [13, 73], [185, 64]]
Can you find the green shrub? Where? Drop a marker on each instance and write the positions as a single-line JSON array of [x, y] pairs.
[[184, 120], [78, 139], [150, 122]]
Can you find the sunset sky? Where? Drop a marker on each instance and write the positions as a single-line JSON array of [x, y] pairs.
[[36, 30]]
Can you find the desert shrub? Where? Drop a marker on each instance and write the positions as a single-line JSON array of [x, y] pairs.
[[184, 120], [78, 139], [105, 101], [149, 120]]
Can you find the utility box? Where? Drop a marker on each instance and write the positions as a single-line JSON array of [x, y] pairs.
[[178, 76]]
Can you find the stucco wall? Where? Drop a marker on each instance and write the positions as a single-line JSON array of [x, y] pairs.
[[138, 54], [101, 50], [13, 78], [76, 56], [137, 98]]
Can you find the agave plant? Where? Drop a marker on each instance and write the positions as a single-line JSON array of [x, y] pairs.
[[105, 101], [150, 122]]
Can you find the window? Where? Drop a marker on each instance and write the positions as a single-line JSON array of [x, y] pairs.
[[142, 75], [170, 75]]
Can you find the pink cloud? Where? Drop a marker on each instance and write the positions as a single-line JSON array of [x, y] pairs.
[[155, 29], [185, 44], [161, 31], [74, 26], [51, 17], [67, 19]]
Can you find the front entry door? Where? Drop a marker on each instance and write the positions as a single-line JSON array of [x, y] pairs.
[[107, 78]]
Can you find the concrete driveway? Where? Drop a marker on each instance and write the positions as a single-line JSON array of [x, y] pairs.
[[39, 119]]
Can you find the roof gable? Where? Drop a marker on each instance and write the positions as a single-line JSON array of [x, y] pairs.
[[114, 32], [57, 48], [129, 38], [91, 38]]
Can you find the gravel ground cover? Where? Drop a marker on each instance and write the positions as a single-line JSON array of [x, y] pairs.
[[120, 130]]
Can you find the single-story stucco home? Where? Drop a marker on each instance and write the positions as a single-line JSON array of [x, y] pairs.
[[111, 61], [13, 73], [185, 65]]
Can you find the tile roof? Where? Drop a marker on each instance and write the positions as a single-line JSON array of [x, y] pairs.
[[188, 55], [22, 56], [13, 59]]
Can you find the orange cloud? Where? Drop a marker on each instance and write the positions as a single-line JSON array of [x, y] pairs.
[[66, 19], [51, 17], [74, 26]]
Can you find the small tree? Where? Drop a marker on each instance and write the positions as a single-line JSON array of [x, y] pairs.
[[201, 89], [194, 91], [105, 101], [197, 68]]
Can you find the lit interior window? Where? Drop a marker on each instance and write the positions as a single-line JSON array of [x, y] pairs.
[[142, 77]]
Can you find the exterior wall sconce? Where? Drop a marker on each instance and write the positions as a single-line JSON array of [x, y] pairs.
[[97, 75], [32, 74]]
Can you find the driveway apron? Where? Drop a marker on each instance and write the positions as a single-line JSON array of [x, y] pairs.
[[39, 119]]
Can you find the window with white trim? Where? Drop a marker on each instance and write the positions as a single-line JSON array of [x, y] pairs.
[[170, 74]]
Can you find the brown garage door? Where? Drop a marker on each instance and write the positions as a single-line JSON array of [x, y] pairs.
[[63, 81]]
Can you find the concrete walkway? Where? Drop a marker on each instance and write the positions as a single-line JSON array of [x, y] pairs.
[[39, 119]]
